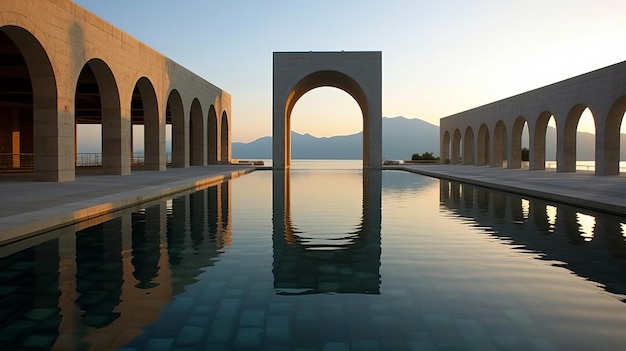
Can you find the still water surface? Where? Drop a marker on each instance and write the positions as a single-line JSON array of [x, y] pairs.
[[324, 259]]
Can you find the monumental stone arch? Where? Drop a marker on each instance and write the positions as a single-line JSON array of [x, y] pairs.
[[357, 73]]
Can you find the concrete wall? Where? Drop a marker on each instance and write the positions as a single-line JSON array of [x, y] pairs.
[[489, 134], [58, 39]]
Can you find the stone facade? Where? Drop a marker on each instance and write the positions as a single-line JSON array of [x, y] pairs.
[[490, 134], [64, 47]]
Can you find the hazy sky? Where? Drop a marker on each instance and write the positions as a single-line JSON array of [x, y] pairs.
[[439, 57]]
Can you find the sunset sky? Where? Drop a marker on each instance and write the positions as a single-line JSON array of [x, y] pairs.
[[439, 57]]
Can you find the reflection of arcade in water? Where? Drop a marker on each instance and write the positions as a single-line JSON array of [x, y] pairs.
[[590, 244], [351, 265], [75, 289]]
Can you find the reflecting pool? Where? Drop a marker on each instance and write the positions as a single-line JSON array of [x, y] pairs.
[[324, 259]]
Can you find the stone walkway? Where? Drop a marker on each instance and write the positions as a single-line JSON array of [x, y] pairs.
[[582, 189], [29, 207]]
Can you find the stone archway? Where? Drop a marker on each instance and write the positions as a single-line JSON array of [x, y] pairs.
[[357, 73]]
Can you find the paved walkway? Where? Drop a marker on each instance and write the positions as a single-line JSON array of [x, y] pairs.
[[582, 189], [28, 207]]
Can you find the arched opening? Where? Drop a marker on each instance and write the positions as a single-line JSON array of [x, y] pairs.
[[578, 144], [97, 118], [543, 150], [456, 147], [28, 109], [499, 145], [299, 245], [519, 144], [213, 147], [16, 109], [307, 191], [445, 147], [468, 146], [326, 112], [148, 136], [483, 146], [88, 120], [224, 140], [357, 73], [197, 152], [615, 139], [175, 120]]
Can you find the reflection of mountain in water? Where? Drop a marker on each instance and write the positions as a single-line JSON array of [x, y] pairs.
[[303, 265], [590, 244]]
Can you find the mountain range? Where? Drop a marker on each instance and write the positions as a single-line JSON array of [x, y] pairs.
[[402, 137]]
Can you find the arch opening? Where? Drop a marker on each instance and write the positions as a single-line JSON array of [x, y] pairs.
[[197, 151], [29, 95], [483, 146], [175, 130], [16, 109], [212, 133], [325, 79], [519, 152], [88, 120], [578, 140], [225, 150], [325, 112], [147, 134]]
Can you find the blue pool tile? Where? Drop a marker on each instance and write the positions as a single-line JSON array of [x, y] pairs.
[[198, 321], [543, 345], [471, 329], [364, 345], [204, 310], [252, 318], [280, 308], [277, 328], [421, 342], [228, 307], [216, 284], [190, 335], [216, 347], [221, 330], [249, 338], [181, 304], [508, 342], [158, 344]]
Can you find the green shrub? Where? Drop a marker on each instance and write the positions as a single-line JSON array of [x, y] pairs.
[[425, 156], [525, 154]]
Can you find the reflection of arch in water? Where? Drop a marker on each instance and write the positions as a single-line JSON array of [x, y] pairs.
[[347, 268], [198, 228], [99, 273], [561, 233]]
